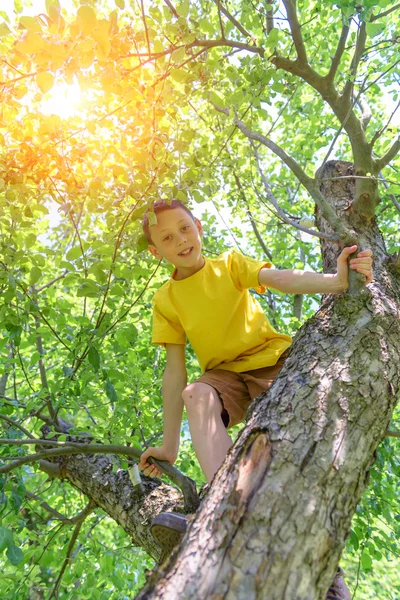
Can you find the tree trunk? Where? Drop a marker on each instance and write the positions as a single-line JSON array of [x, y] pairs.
[[278, 513]]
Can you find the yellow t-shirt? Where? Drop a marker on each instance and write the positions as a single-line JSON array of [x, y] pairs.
[[225, 325]]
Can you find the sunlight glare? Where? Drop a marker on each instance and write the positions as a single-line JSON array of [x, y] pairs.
[[63, 100]]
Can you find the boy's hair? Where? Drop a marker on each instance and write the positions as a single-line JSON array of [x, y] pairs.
[[158, 207]]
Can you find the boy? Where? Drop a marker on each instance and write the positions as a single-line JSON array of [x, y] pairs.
[[239, 352]]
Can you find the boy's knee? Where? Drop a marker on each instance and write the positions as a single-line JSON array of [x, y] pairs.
[[200, 392]]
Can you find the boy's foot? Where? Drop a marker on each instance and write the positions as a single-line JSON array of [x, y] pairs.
[[167, 529], [338, 589]]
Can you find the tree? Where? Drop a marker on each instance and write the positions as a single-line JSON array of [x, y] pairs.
[[239, 101]]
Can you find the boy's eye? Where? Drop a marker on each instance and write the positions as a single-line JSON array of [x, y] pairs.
[[185, 227], [167, 237]]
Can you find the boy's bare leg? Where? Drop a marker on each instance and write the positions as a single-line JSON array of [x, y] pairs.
[[209, 437]]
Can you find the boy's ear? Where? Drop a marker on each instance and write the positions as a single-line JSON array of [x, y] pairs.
[[199, 226], [153, 250]]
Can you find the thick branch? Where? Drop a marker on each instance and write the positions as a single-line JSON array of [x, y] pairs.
[[270, 16], [358, 52], [290, 6], [380, 163], [185, 484], [339, 53]]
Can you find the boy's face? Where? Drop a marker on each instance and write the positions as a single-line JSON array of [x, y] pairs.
[[177, 238]]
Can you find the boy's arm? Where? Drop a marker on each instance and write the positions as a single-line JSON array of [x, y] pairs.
[[174, 382], [293, 281]]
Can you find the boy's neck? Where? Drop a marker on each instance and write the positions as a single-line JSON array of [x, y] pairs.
[[185, 272]]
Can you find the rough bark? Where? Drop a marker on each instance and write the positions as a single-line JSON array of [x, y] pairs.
[[100, 479], [279, 510]]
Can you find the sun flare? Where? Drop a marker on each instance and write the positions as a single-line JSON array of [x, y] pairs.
[[63, 100]]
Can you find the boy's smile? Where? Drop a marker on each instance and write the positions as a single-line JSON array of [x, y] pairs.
[[177, 238]]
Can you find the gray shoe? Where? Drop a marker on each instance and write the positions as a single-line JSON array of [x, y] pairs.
[[338, 589], [167, 529]]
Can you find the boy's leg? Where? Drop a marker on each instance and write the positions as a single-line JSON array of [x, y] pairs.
[[209, 436]]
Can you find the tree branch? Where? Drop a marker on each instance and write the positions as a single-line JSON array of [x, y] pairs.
[[309, 183], [87, 511], [290, 6], [270, 16], [233, 20], [171, 8], [17, 426], [55, 514], [221, 24], [280, 211], [390, 433], [339, 53], [384, 14], [382, 162], [358, 52], [380, 132], [185, 484], [253, 224], [391, 196]]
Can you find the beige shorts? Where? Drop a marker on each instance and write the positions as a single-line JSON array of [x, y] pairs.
[[237, 390]]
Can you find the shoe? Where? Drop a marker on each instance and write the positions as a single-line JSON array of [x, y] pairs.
[[338, 589], [167, 529]]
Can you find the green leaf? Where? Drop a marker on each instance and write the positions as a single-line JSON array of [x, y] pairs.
[[142, 244], [374, 29], [217, 100], [6, 538], [120, 4], [183, 8], [15, 555], [110, 391], [178, 55], [366, 561], [74, 253], [94, 358], [35, 275], [89, 289]]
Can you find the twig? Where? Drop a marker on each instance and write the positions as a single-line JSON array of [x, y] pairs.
[[378, 133], [234, 21], [171, 8], [18, 426], [71, 544]]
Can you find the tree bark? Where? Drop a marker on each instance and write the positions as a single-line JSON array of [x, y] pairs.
[[279, 510]]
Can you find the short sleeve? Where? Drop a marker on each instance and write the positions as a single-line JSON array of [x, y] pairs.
[[166, 330], [244, 271]]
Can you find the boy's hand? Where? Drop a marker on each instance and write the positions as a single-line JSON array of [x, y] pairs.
[[161, 454], [362, 264]]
